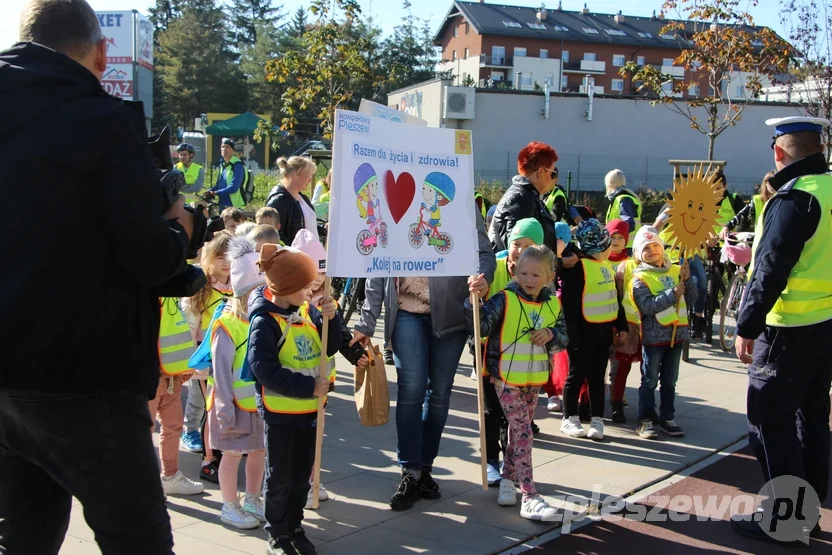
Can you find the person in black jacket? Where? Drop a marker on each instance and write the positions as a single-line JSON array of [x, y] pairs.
[[295, 208], [523, 199], [784, 326], [80, 294]]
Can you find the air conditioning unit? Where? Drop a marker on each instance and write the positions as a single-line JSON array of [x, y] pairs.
[[459, 103], [199, 125]]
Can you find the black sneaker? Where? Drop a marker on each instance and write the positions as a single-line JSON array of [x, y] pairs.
[[211, 472], [302, 544], [407, 493], [388, 357], [671, 428], [428, 488], [746, 525], [281, 546], [618, 413], [535, 428]]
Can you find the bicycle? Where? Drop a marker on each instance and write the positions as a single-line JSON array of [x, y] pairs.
[[737, 250], [368, 239], [713, 278], [352, 292], [210, 205], [442, 242]]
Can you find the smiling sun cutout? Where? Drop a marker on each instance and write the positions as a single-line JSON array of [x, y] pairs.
[[694, 209]]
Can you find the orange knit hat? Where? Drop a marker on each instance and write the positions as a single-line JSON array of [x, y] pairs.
[[287, 269]]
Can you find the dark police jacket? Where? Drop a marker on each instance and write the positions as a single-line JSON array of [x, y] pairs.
[[85, 240], [791, 218]]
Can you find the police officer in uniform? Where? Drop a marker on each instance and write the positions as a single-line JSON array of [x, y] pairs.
[[785, 323]]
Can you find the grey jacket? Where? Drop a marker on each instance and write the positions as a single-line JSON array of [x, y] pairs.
[[652, 332], [447, 295]]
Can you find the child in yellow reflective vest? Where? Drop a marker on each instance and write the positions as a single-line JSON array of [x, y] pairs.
[[285, 354], [661, 291], [234, 426], [525, 327], [199, 310], [355, 354], [593, 316], [175, 348], [628, 350]]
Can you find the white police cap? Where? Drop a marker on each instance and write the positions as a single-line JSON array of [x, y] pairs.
[[797, 124]]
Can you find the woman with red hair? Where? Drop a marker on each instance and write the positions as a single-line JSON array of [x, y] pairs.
[[523, 199]]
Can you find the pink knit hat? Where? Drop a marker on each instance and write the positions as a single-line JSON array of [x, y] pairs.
[[307, 244]]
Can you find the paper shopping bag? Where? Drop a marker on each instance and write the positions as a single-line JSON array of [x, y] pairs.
[[372, 396]]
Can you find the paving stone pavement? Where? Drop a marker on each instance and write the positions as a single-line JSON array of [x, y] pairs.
[[360, 473]]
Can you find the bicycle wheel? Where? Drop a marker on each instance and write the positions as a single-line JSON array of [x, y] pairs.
[[730, 312], [354, 296], [346, 293]]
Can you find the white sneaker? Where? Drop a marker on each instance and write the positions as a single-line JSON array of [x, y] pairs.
[[554, 404], [508, 494], [323, 495], [233, 515], [596, 429], [474, 374], [255, 506], [179, 484], [572, 427], [535, 508]]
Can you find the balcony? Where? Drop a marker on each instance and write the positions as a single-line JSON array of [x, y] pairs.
[[677, 72], [488, 60], [598, 90], [495, 84], [585, 66]]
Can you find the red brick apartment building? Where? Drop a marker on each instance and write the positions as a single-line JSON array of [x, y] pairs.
[[524, 47]]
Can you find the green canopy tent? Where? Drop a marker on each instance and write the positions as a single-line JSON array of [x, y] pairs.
[[242, 125]]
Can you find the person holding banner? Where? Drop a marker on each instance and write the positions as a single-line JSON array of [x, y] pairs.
[[425, 323], [538, 174]]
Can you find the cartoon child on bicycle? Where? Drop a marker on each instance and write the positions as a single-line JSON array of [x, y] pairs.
[[437, 190], [365, 183]]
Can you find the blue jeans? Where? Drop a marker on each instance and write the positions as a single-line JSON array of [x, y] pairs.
[[425, 366], [660, 365], [697, 270]]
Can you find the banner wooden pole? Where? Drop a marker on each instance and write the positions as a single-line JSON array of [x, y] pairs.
[[475, 302], [682, 262], [319, 429]]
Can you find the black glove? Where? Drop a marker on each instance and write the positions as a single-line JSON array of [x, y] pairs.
[[353, 354], [199, 235]]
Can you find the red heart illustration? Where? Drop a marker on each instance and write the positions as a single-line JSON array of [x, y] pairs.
[[399, 192]]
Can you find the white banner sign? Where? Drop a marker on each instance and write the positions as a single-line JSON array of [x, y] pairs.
[[117, 28], [402, 200], [144, 41], [384, 112], [118, 80]]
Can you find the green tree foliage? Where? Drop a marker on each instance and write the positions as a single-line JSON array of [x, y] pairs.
[[328, 69], [724, 50], [409, 55], [249, 15], [297, 27], [195, 66]]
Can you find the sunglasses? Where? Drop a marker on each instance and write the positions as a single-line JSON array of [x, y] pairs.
[[555, 173]]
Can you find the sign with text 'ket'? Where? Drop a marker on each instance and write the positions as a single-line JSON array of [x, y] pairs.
[[402, 200]]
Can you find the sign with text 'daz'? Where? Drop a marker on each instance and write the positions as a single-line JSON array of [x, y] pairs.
[[402, 200], [118, 81]]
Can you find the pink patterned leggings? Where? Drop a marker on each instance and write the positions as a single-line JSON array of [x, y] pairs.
[[518, 405]]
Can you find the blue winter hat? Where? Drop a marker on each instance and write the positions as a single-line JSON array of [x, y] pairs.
[[593, 237], [562, 232], [491, 211]]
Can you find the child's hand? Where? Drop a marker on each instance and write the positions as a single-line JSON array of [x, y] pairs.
[[363, 362], [684, 272], [541, 337], [560, 248], [477, 284], [328, 307], [680, 290], [321, 387]]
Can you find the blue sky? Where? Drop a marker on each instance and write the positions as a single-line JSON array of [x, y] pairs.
[[388, 12]]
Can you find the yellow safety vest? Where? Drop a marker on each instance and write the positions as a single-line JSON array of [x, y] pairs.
[[626, 299], [759, 205], [228, 171], [658, 283], [501, 277], [550, 200], [600, 298], [672, 252], [614, 213], [478, 195], [191, 175], [807, 298], [522, 363], [216, 297], [300, 353], [175, 342], [244, 391], [726, 212]]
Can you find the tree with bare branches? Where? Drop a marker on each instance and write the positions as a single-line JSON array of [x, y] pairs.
[[808, 24], [721, 47]]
